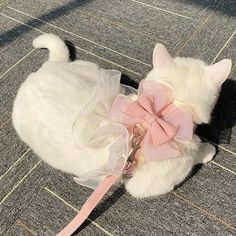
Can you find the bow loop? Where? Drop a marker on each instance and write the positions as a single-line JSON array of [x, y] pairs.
[[146, 102], [162, 131]]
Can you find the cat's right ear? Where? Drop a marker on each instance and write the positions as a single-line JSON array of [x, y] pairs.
[[220, 71], [161, 57]]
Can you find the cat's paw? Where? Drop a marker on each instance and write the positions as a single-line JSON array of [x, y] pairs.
[[137, 186], [133, 188], [139, 189], [210, 152]]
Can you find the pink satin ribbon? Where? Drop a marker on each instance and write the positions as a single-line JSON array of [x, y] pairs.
[[155, 111]]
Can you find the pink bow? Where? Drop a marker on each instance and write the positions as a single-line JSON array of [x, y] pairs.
[[154, 110]]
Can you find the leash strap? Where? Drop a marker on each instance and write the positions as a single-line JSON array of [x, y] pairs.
[[136, 139], [89, 205]]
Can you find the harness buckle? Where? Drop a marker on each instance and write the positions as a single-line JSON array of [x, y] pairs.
[[136, 138]]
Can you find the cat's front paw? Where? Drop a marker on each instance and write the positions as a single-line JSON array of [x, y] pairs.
[[135, 189], [210, 152], [139, 188]]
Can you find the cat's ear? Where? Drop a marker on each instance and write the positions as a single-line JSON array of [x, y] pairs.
[[161, 57], [220, 71]]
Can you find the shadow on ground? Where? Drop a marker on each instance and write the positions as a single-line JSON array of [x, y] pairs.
[[223, 116], [223, 120], [226, 7], [14, 33], [103, 207]]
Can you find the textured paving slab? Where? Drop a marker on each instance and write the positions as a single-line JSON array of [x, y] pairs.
[[58, 214], [89, 50], [37, 200], [160, 216], [20, 229], [211, 36], [171, 28], [36, 210], [114, 211], [213, 190], [11, 149], [226, 159], [12, 53], [193, 9], [18, 199], [15, 175]]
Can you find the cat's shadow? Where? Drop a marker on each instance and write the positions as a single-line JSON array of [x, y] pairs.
[[103, 207], [72, 50], [219, 130]]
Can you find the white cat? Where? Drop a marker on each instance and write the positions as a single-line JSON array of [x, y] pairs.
[[48, 103]]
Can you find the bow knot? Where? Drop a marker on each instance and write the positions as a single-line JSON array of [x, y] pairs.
[[154, 110], [151, 118]]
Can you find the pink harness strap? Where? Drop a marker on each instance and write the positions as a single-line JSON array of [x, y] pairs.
[[89, 205]]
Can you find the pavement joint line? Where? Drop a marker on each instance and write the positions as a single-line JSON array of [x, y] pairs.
[[15, 163], [93, 54], [224, 46], [75, 209], [163, 10], [21, 23], [199, 27], [117, 23], [5, 123], [232, 70], [223, 167], [219, 146], [203, 211], [17, 63], [19, 183], [104, 59], [25, 227], [78, 36]]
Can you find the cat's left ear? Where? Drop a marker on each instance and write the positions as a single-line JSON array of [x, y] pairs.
[[161, 57], [220, 71]]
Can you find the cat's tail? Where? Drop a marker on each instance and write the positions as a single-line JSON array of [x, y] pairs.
[[56, 46]]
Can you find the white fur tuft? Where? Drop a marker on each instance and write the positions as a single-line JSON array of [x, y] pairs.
[[57, 47]]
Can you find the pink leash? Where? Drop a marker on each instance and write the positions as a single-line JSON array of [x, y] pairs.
[[105, 185], [89, 205]]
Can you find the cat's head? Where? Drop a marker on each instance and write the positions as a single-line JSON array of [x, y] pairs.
[[193, 82]]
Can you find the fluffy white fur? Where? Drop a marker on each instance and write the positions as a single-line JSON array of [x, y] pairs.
[[48, 101], [47, 105]]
